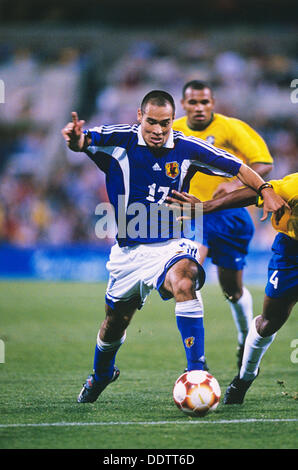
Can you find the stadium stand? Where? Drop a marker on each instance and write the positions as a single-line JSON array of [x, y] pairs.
[[47, 194]]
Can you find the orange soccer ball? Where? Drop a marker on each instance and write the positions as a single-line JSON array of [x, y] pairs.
[[196, 393]]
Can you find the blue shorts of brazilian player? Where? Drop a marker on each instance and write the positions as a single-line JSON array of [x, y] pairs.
[[283, 268], [227, 234]]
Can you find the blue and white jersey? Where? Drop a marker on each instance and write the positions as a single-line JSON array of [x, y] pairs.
[[138, 178]]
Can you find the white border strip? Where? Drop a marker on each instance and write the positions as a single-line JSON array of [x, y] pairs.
[[151, 423]]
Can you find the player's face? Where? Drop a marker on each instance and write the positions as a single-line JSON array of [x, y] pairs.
[[198, 105], [156, 123]]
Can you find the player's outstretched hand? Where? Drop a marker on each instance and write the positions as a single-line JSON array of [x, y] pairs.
[[183, 201], [73, 133], [273, 203]]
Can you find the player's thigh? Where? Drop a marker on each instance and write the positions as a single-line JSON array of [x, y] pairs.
[[125, 271], [282, 283], [203, 252]]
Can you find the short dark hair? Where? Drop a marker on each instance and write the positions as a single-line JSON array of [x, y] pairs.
[[159, 98], [196, 85]]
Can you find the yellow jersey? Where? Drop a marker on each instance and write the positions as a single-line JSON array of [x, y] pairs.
[[287, 188], [232, 135]]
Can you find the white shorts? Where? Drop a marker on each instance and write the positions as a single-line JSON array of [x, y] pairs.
[[135, 271]]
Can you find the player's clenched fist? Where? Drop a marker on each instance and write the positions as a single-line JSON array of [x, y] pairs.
[[73, 133]]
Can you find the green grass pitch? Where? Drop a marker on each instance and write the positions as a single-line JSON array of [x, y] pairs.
[[49, 332]]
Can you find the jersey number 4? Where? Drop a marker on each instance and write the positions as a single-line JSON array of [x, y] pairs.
[[274, 279]]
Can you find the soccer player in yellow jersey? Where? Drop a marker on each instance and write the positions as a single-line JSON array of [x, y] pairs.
[[227, 234], [281, 291]]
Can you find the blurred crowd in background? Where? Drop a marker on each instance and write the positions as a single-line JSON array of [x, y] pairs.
[[48, 194]]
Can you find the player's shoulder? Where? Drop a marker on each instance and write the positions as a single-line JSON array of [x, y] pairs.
[[114, 128], [287, 187], [234, 123], [187, 139], [229, 120], [116, 134], [193, 145]]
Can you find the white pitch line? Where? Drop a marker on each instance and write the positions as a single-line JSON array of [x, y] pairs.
[[150, 423]]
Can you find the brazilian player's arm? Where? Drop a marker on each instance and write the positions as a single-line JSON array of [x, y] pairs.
[[261, 169], [240, 197]]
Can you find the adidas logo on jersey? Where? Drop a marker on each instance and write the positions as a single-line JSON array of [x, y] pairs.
[[156, 167]]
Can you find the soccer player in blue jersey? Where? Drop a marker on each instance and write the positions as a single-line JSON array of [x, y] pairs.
[[143, 163]]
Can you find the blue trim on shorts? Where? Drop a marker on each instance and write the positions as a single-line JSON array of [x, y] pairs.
[[201, 276], [111, 303]]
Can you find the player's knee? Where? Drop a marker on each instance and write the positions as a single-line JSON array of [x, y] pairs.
[[268, 326], [233, 295], [231, 283], [183, 287], [183, 279]]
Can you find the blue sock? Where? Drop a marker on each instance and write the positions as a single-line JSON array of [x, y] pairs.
[[191, 327], [103, 364], [104, 358]]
